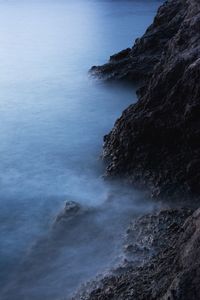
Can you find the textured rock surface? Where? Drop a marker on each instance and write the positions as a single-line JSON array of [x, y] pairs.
[[138, 62], [173, 273], [156, 142]]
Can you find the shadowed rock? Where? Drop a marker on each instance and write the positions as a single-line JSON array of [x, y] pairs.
[[156, 142], [172, 274], [138, 62]]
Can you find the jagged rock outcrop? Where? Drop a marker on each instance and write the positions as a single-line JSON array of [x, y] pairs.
[[137, 63], [172, 274], [156, 142]]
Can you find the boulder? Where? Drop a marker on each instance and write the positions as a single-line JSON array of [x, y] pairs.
[[71, 210]]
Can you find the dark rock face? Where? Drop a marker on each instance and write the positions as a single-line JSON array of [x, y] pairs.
[[138, 62], [156, 142], [172, 274]]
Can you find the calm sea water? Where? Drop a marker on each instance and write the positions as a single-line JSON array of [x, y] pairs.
[[53, 118]]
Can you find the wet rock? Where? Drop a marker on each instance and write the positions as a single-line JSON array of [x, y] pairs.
[[172, 273], [138, 62], [149, 234], [156, 142], [71, 210]]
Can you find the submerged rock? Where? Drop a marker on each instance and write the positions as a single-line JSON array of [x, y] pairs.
[[156, 142], [71, 210]]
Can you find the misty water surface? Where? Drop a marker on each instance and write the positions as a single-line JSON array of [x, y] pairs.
[[53, 118]]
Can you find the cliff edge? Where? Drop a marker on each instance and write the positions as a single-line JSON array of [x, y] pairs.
[[156, 142]]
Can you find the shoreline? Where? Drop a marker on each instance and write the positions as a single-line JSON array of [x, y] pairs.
[[156, 265], [154, 144]]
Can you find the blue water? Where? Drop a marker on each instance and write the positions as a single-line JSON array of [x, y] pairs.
[[53, 118]]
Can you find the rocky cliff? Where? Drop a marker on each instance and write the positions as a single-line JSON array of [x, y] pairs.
[[156, 142]]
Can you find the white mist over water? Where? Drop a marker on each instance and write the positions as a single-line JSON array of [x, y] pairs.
[[53, 118]]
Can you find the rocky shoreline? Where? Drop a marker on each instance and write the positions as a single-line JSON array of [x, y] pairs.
[[161, 261], [156, 144], [166, 246]]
